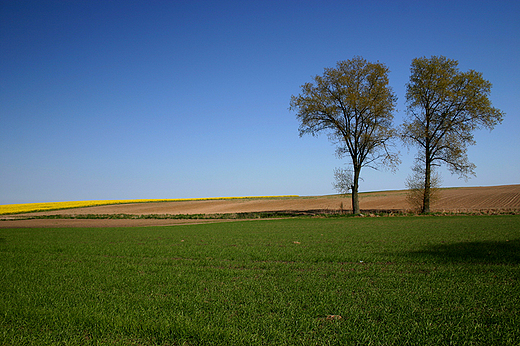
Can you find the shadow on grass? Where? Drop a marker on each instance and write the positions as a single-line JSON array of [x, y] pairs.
[[491, 252]]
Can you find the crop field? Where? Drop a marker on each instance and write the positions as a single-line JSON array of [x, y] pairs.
[[416, 280], [35, 207]]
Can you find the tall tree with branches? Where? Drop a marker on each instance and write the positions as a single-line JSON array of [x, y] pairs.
[[354, 105], [445, 106]]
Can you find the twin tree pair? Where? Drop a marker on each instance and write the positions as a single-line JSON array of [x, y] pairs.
[[354, 104]]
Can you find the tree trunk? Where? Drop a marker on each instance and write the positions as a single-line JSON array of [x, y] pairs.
[[355, 198], [427, 186]]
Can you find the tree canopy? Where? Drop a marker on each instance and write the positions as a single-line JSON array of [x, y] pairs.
[[445, 106], [354, 105]]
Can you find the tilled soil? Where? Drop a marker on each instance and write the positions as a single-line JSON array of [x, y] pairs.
[[470, 199]]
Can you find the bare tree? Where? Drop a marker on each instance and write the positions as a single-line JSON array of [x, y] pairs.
[[354, 104], [415, 185], [343, 180], [343, 183], [445, 107]]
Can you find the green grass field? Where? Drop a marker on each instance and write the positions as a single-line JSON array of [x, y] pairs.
[[424, 280]]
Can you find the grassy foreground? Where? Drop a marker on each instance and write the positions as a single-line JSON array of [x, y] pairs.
[[304, 281]]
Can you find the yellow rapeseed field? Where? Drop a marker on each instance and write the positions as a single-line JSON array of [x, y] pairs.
[[33, 207]]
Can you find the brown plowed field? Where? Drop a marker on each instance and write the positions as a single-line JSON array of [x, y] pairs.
[[468, 199]]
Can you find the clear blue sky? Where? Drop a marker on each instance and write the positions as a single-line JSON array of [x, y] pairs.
[[176, 99]]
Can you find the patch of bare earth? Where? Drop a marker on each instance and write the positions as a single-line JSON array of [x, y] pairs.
[[469, 199]]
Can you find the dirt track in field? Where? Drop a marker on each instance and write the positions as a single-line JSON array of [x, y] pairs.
[[469, 199]]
